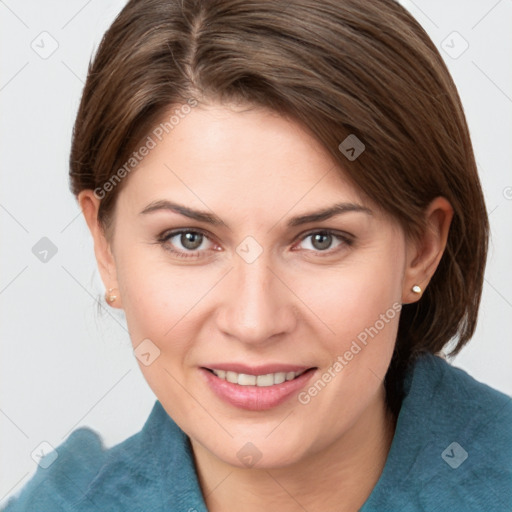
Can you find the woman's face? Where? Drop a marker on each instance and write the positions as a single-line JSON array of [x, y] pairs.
[[247, 283]]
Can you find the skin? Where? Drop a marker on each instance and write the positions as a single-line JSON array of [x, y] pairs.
[[297, 303]]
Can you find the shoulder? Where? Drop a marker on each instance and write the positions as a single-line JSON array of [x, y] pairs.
[[151, 470], [459, 402], [62, 475], [470, 427], [452, 448], [82, 463]]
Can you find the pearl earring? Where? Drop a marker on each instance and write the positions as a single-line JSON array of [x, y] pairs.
[[110, 297], [416, 289]]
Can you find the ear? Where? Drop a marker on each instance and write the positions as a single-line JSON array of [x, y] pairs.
[[424, 253], [89, 204]]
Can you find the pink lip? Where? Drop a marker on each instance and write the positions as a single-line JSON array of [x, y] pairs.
[[255, 398]]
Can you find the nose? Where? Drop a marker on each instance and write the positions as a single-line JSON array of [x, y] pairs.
[[258, 305]]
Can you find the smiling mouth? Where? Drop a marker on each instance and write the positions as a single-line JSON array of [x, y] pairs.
[[267, 380]]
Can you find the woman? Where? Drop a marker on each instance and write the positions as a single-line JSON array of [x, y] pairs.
[[284, 201]]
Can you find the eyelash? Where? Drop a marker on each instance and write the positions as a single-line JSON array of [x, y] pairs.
[[164, 238]]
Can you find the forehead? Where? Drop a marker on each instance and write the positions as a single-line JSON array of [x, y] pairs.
[[248, 159]]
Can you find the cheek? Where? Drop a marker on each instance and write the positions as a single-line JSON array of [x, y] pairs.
[[160, 303], [158, 298], [361, 305], [354, 297]]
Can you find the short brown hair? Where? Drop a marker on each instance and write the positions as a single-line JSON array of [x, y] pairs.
[[339, 67]]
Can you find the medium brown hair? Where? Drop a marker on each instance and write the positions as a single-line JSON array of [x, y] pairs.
[[339, 67]]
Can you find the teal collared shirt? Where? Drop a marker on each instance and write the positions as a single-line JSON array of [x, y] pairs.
[[452, 451]]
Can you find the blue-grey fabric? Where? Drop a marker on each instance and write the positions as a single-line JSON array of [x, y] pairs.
[[452, 451]]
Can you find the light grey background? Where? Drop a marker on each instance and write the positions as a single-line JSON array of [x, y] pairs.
[[63, 364]]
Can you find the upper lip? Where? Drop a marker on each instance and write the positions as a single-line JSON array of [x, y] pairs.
[[262, 369]]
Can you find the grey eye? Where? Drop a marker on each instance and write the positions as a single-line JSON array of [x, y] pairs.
[[191, 240], [321, 241]]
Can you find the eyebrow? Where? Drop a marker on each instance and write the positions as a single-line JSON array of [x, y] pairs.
[[210, 218]]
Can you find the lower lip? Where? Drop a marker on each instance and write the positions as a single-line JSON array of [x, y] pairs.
[[255, 398]]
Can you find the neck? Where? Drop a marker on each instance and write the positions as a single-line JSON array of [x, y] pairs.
[[340, 477]]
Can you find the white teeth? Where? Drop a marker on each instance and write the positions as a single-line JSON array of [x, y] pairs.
[[279, 377], [265, 380], [246, 380], [232, 377], [242, 379]]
